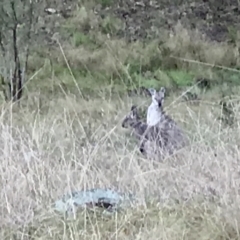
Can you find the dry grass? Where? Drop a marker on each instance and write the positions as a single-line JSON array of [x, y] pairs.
[[115, 54], [114, 58], [78, 144], [52, 146]]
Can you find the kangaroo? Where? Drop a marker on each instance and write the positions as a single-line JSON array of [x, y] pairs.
[[155, 110], [150, 136], [156, 116]]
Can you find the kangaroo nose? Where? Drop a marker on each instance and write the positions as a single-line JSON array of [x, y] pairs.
[[141, 149]]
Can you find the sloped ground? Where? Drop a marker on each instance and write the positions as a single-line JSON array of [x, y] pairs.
[[55, 143], [100, 39], [146, 19]]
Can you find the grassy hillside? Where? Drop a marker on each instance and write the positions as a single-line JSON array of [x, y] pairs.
[[87, 67], [130, 45]]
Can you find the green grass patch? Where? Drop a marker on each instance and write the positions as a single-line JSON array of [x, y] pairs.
[[180, 77], [79, 39]]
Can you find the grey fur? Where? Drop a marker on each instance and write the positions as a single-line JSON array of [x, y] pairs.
[[132, 120], [156, 116], [163, 137], [152, 138]]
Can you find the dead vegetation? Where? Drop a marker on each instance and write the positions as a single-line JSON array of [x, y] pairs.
[[72, 146], [66, 135], [95, 42]]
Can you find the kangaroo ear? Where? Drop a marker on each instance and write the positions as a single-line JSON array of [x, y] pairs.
[[162, 93], [134, 111], [162, 90], [134, 108], [152, 91]]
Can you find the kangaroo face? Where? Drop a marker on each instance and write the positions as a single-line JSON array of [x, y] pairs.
[[155, 110], [131, 119], [157, 97]]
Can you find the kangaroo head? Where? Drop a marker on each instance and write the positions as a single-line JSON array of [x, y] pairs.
[[158, 97], [132, 118]]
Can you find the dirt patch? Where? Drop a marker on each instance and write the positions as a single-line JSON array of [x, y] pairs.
[[146, 19]]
